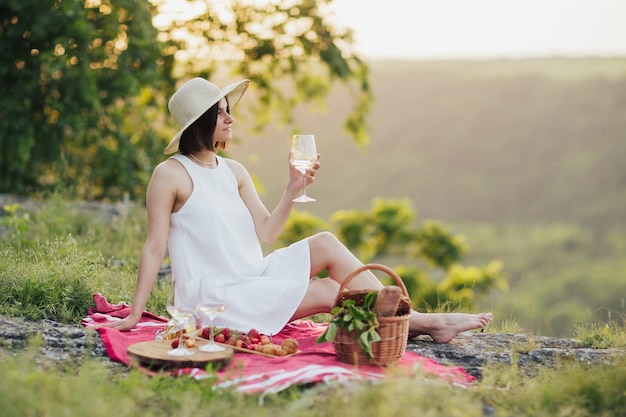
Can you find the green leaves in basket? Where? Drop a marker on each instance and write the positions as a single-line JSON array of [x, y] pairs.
[[361, 320]]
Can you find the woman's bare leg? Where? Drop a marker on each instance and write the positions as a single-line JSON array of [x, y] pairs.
[[327, 252], [319, 298]]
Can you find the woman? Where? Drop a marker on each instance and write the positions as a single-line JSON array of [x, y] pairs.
[[206, 210]]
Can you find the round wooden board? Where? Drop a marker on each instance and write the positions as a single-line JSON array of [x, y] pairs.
[[153, 354]]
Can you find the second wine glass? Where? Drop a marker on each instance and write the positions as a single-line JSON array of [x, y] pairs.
[[303, 157], [181, 316], [210, 302]]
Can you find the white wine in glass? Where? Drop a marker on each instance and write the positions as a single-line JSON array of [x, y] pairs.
[[210, 302], [303, 157], [181, 315]]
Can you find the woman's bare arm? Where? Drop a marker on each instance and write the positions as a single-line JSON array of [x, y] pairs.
[[160, 201]]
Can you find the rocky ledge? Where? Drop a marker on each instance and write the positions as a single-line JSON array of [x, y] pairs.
[[471, 351], [58, 342]]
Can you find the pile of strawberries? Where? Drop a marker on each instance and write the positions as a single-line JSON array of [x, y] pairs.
[[227, 336], [252, 340]]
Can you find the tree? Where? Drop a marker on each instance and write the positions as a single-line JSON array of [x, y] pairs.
[[70, 67], [84, 96], [287, 48]]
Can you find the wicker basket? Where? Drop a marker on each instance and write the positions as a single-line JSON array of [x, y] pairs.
[[393, 331]]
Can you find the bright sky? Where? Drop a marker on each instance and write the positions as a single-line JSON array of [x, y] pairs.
[[485, 28]]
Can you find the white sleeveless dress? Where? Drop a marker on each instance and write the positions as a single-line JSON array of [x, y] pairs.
[[213, 235]]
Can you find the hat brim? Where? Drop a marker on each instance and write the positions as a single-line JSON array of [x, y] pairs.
[[233, 94]]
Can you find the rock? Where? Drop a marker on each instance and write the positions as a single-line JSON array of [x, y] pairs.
[[472, 351], [59, 342]]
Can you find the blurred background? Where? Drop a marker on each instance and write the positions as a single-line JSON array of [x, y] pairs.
[[504, 121]]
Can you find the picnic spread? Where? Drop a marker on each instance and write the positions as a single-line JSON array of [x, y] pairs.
[[254, 373]]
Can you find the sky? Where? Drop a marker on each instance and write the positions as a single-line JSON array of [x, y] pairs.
[[476, 29]]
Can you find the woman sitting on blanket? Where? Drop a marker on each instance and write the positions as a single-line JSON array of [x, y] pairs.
[[205, 209]]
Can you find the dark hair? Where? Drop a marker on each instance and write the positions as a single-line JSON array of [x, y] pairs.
[[199, 136]]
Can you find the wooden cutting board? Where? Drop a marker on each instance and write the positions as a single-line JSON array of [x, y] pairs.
[[153, 355]]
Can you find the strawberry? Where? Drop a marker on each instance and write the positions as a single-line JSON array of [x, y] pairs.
[[205, 333], [220, 338], [226, 332], [253, 333], [175, 343]]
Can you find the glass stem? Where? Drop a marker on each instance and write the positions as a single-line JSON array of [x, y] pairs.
[[180, 338], [304, 187]]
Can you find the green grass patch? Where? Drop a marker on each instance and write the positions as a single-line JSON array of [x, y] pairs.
[[601, 336], [572, 389], [54, 257]]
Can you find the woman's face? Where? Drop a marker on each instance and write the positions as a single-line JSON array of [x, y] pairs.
[[224, 122]]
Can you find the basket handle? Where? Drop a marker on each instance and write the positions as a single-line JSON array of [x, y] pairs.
[[378, 267]]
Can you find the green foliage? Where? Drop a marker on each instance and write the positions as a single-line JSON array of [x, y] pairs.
[[300, 224], [389, 232], [386, 229], [438, 246], [422, 288], [70, 67], [461, 288], [359, 320], [602, 336], [289, 50], [464, 285]]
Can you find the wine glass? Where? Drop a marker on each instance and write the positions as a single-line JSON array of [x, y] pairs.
[[303, 157], [181, 315], [211, 301]]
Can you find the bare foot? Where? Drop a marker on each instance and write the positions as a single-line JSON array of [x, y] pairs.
[[443, 327]]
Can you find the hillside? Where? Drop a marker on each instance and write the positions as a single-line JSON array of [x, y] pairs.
[[497, 141], [526, 158]]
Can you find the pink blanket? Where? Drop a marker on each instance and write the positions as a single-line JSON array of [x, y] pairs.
[[255, 373]]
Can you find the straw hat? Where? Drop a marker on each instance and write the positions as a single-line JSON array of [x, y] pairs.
[[194, 98]]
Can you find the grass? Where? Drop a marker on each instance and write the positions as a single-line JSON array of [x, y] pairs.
[[95, 389], [602, 336], [54, 258]]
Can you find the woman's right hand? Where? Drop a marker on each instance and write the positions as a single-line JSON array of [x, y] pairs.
[[295, 176]]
